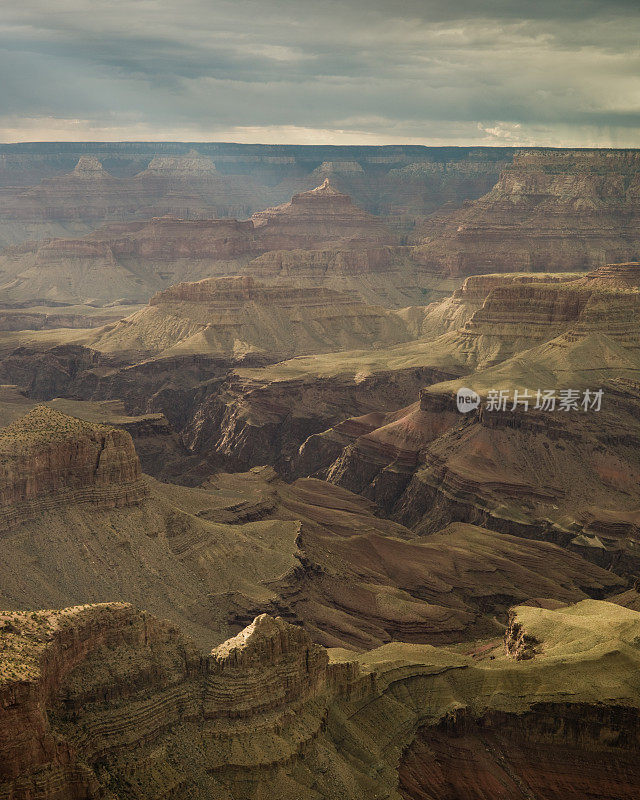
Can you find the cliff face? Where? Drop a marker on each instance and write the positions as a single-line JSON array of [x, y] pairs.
[[561, 476], [318, 263], [554, 474], [258, 420], [49, 459], [129, 260], [452, 313], [169, 238], [516, 314], [401, 182], [211, 558], [268, 665], [549, 211], [70, 662], [106, 701]]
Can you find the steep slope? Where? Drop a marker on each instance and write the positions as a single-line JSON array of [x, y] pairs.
[[106, 701], [263, 416], [560, 210], [453, 312], [319, 238], [129, 260], [277, 407], [158, 447], [242, 417], [49, 459], [364, 580], [188, 186]]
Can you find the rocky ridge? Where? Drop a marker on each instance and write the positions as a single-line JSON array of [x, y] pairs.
[[318, 218], [552, 211], [211, 558], [428, 465], [220, 179], [319, 236], [65, 734], [238, 315]]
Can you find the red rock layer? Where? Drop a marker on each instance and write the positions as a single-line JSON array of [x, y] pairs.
[[104, 701], [169, 238], [551, 753], [267, 665], [315, 263]]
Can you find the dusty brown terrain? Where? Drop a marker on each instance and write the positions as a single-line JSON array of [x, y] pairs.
[[48, 194], [209, 558], [237, 316]]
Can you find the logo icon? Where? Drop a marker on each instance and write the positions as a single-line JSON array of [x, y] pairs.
[[467, 400]]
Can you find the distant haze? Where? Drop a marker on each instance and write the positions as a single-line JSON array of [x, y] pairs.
[[503, 72]]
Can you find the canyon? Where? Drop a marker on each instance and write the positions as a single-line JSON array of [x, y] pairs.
[[251, 544], [318, 236], [105, 699], [209, 557]]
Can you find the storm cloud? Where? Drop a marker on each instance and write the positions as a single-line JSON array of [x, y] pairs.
[[370, 71]]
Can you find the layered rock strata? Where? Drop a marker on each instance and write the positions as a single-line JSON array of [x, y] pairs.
[[130, 260], [236, 316], [212, 558], [188, 186], [565, 476], [319, 218], [562, 210], [328, 234], [105, 700], [452, 313], [256, 420], [49, 459]]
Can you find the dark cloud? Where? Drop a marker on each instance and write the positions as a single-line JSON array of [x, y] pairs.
[[564, 72]]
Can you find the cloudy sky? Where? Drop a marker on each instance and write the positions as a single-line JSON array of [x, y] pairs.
[[548, 72]]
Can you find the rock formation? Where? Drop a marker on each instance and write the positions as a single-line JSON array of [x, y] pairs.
[[216, 179], [188, 186], [159, 448], [453, 312], [364, 580], [559, 210], [211, 558], [105, 700], [264, 416], [235, 316], [549, 473], [473, 575], [49, 459], [318, 219], [319, 238], [129, 260]]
